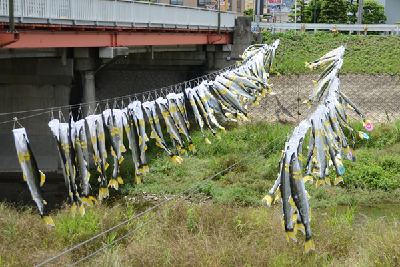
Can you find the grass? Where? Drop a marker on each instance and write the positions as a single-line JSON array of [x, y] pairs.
[[371, 54], [203, 235], [225, 224], [241, 185]]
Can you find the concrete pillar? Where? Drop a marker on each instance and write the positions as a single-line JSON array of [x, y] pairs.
[[89, 94]]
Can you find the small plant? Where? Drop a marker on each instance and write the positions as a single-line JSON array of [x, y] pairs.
[[191, 224]]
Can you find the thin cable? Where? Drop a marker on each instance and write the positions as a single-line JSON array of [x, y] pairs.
[[148, 210], [257, 159], [26, 117], [138, 228], [106, 100]]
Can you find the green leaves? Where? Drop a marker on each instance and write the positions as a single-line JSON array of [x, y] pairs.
[[334, 11]]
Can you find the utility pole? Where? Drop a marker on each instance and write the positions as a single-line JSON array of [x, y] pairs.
[[11, 15], [258, 14], [360, 11], [295, 15], [219, 18]]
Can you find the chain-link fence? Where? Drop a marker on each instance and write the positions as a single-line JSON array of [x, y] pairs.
[[377, 97]]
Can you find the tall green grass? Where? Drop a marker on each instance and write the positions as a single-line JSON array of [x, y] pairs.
[[376, 168], [364, 54]]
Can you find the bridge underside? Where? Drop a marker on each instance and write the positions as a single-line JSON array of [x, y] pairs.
[[47, 36]]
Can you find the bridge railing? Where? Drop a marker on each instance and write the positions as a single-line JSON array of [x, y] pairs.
[[393, 28], [115, 13]]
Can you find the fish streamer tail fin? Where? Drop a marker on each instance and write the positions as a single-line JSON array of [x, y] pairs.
[[47, 220], [309, 246]]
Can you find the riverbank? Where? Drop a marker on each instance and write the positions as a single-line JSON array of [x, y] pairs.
[[225, 223]]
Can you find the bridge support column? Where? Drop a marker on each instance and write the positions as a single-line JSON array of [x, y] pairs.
[[89, 95]]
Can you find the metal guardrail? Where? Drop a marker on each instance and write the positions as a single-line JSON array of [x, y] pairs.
[[115, 13], [394, 28]]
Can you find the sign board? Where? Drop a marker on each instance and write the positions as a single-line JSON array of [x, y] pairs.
[[222, 2], [275, 2], [211, 7], [274, 7], [253, 29]]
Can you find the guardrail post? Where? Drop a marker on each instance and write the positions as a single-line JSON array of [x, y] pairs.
[[149, 16], [115, 12], [133, 14], [48, 11], [21, 2], [72, 10], [96, 11], [176, 25], [188, 18]]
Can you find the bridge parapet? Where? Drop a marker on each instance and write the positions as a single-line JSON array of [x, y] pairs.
[[115, 13]]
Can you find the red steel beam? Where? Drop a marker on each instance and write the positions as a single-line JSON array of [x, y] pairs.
[[7, 39], [37, 39]]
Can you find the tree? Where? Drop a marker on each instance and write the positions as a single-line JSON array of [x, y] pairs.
[[309, 13], [352, 7], [301, 11], [334, 11], [373, 12], [248, 12]]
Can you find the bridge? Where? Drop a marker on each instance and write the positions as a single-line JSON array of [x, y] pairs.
[[65, 52], [107, 23]]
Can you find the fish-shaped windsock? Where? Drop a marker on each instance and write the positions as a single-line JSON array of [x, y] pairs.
[[241, 94], [136, 106], [96, 130], [326, 59], [82, 157], [130, 125], [55, 128], [151, 112], [205, 96], [287, 200], [190, 92], [113, 121], [67, 134], [180, 101], [171, 127], [179, 119], [230, 99], [299, 199], [202, 111], [327, 142], [31, 173]]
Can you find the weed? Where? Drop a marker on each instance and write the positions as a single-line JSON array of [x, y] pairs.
[[191, 225]]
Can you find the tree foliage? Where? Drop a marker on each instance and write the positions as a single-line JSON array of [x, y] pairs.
[[352, 7], [309, 14], [248, 12], [334, 11], [301, 13], [373, 12]]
